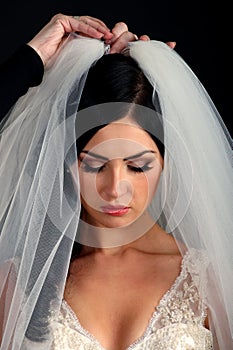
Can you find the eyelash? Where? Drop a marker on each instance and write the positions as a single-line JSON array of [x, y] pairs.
[[90, 169]]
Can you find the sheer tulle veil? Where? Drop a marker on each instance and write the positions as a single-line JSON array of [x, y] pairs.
[[40, 211]]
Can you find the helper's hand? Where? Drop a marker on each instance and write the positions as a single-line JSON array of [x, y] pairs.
[[52, 35], [122, 36]]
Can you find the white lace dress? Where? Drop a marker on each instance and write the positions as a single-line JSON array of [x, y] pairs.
[[176, 324]]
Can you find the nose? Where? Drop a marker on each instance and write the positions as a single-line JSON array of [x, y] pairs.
[[114, 183]]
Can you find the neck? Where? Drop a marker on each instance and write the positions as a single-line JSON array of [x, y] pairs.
[[142, 244], [114, 238]]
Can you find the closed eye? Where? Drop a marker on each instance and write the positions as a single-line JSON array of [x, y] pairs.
[[92, 167], [139, 169]]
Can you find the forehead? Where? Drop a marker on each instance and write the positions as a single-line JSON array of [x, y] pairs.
[[120, 140]]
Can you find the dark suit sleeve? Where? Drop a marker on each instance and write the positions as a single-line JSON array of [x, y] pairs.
[[22, 70]]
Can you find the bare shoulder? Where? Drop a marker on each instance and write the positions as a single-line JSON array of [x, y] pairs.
[[159, 251], [161, 242]]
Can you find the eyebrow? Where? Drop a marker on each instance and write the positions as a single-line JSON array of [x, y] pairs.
[[92, 154], [139, 154]]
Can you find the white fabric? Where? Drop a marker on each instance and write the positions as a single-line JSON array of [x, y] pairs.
[[197, 188], [39, 213], [39, 209]]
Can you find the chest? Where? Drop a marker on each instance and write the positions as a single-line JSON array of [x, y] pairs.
[[116, 302]]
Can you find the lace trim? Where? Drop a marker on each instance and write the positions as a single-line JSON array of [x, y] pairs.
[[79, 327], [163, 301]]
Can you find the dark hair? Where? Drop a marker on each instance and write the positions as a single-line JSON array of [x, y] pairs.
[[118, 78]]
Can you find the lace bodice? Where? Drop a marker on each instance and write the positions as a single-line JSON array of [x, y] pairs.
[[176, 324]]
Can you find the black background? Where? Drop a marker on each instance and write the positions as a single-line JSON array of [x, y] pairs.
[[200, 29]]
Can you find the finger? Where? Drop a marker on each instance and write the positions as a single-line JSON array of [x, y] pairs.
[[97, 24], [171, 44], [122, 42], [94, 32], [144, 38], [84, 25], [94, 20], [117, 31]]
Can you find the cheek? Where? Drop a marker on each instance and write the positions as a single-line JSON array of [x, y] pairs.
[[140, 187], [153, 180], [101, 181], [87, 185]]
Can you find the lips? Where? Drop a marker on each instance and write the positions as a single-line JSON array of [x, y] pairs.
[[115, 210]]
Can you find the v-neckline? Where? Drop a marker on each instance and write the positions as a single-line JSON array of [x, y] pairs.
[[152, 319]]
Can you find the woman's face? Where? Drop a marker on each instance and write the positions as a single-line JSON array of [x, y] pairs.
[[119, 169]]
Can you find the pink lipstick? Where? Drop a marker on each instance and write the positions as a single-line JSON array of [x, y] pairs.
[[115, 210]]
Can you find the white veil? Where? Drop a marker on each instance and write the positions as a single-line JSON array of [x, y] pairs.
[[197, 186], [39, 210]]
